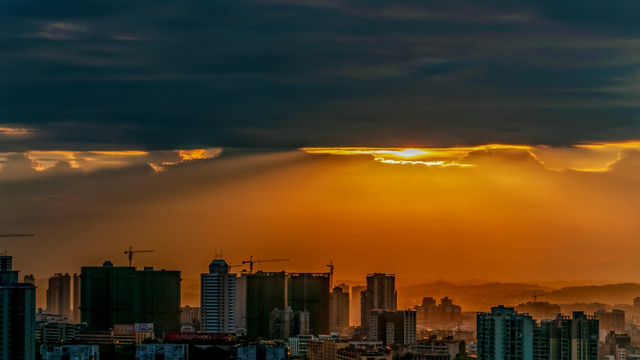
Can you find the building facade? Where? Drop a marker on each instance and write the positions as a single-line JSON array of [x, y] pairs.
[[310, 292], [217, 299], [265, 291], [393, 327], [59, 295], [504, 334], [339, 310], [380, 295], [17, 314], [123, 295]]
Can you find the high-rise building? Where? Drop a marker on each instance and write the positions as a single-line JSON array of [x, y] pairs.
[[240, 305], [573, 338], [610, 321], [217, 298], [59, 295], [393, 327], [310, 292], [265, 291], [354, 307], [286, 323], [504, 334], [75, 313], [17, 314], [447, 315], [380, 295], [123, 295], [29, 279], [339, 309]]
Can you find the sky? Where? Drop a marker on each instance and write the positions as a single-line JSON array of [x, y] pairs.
[[434, 140]]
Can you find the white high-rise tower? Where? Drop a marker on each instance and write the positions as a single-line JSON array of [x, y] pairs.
[[217, 298]]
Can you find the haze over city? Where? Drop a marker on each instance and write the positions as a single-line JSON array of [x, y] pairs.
[[488, 152]]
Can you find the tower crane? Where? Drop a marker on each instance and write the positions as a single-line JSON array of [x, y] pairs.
[[251, 262], [535, 297], [130, 252], [330, 266], [14, 235]]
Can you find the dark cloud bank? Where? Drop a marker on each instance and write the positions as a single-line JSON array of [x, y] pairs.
[[162, 75]]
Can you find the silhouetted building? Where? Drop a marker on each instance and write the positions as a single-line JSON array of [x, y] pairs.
[[610, 321], [217, 298], [540, 309], [123, 295], [504, 334], [190, 317], [339, 309], [310, 292], [240, 305], [17, 314], [286, 323], [447, 315], [380, 295], [29, 279], [265, 291], [75, 313], [354, 306], [393, 327], [59, 295]]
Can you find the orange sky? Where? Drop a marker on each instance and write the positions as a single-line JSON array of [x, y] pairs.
[[513, 214]]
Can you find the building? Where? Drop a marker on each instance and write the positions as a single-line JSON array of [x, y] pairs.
[[393, 327], [446, 316], [123, 295], [610, 321], [339, 303], [573, 338], [380, 295], [217, 299], [262, 351], [29, 279], [17, 314], [75, 313], [310, 292], [161, 352], [75, 352], [354, 307], [189, 319], [286, 323], [53, 328], [298, 345], [240, 306], [324, 349], [540, 309], [504, 334], [434, 346], [265, 291], [59, 295]]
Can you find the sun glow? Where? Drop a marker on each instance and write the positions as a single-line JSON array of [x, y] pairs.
[[432, 157]]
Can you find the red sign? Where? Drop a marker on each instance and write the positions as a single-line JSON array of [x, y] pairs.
[[197, 337]]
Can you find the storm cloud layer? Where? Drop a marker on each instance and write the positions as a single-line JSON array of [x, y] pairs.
[[86, 75]]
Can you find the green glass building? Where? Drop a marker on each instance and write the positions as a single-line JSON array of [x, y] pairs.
[[265, 291], [310, 291], [123, 295]]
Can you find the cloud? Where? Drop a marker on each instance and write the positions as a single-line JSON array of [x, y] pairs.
[[323, 73]]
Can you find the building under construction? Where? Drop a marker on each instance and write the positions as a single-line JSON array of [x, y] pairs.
[[266, 291], [123, 295]]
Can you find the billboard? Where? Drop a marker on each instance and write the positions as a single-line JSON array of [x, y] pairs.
[[197, 337], [144, 327], [123, 329]]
